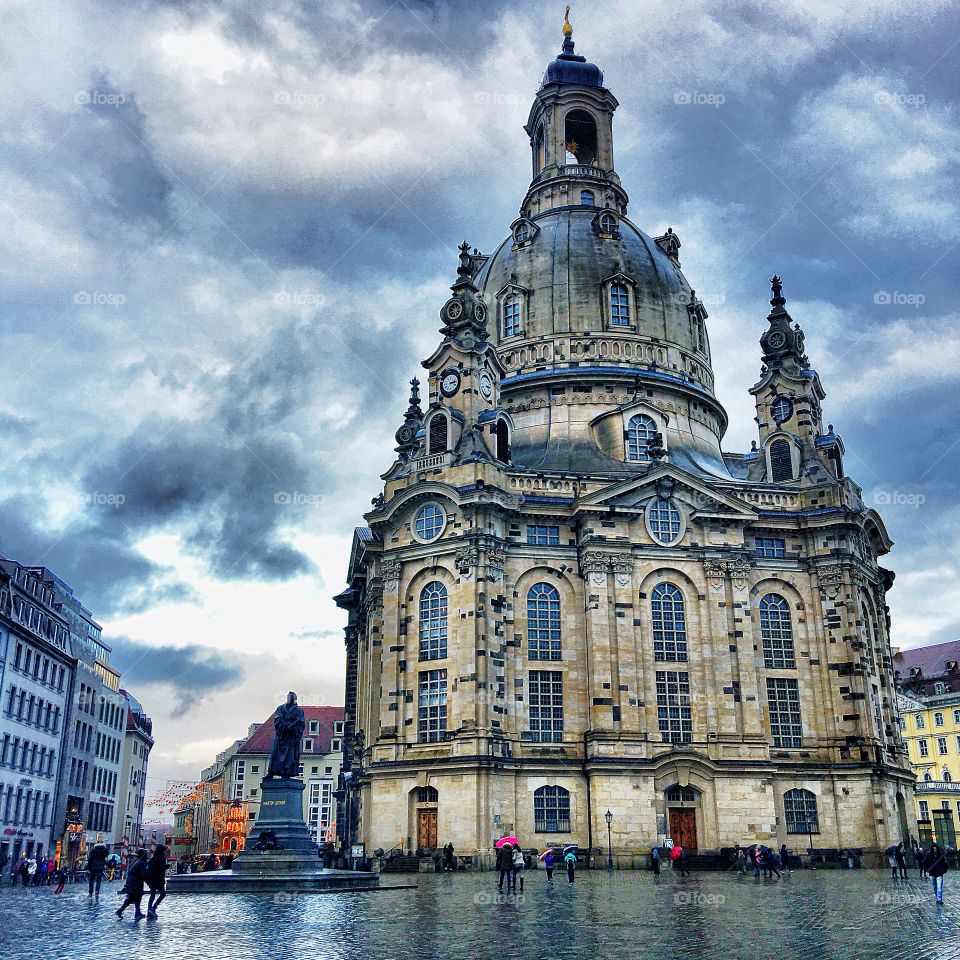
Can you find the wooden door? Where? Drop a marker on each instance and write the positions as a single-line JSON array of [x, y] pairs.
[[683, 828], [427, 830]]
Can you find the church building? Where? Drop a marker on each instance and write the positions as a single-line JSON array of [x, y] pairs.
[[569, 604]]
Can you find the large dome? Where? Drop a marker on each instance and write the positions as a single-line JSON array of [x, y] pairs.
[[566, 270]]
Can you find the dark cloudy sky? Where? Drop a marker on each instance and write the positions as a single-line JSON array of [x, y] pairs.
[[227, 229]]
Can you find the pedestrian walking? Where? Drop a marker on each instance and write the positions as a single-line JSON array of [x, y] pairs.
[[548, 864], [448, 852], [681, 862], [785, 857], [920, 856], [96, 866], [900, 855], [16, 871], [504, 865], [60, 876], [755, 861], [133, 888], [40, 877], [936, 866], [156, 879], [892, 860], [655, 861], [29, 871], [570, 862], [519, 868]]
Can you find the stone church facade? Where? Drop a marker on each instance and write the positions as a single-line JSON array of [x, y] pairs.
[[569, 600]]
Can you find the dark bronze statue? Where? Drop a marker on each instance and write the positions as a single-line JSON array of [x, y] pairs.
[[288, 723]]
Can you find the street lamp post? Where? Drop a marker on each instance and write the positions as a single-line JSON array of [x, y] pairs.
[[608, 816]]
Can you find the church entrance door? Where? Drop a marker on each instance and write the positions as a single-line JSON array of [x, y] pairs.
[[426, 829], [683, 828]]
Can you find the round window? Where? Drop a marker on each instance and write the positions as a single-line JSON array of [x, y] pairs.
[[664, 521], [781, 409], [429, 522]]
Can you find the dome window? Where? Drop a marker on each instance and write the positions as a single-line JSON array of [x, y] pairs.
[[511, 316], [522, 233], [587, 198], [503, 441], [640, 431], [664, 522], [607, 223], [619, 305]]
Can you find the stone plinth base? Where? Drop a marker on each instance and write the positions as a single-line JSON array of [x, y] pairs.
[[284, 882]]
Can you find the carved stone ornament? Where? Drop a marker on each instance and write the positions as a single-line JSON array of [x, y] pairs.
[[622, 569], [466, 557], [374, 598], [390, 571], [830, 581], [715, 569]]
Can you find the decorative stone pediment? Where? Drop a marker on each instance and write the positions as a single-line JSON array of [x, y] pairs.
[[664, 480]]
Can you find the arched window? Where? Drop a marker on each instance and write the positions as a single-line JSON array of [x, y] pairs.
[[427, 795], [669, 623], [776, 631], [433, 621], [586, 198], [781, 464], [663, 521], [640, 431], [522, 233], [511, 316], [608, 223], [946, 776], [438, 434], [503, 441], [800, 811], [580, 137], [539, 158], [680, 794], [543, 622], [619, 305], [551, 810]]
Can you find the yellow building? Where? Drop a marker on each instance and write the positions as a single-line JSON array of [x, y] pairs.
[[931, 730]]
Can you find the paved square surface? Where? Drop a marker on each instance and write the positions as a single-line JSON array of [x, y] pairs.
[[819, 914]]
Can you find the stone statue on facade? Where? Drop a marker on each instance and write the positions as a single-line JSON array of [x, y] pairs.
[[288, 723]]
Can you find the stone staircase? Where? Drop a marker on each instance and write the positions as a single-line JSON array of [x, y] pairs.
[[405, 864], [707, 861]]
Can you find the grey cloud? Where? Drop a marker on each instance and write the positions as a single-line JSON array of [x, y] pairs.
[[190, 673]]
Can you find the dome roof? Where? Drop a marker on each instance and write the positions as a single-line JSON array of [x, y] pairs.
[[566, 269], [570, 67]]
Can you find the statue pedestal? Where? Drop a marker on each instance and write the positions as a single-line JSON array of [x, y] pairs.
[[281, 811]]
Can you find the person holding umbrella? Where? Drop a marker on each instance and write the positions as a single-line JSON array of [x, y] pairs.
[[570, 862], [505, 860], [548, 863]]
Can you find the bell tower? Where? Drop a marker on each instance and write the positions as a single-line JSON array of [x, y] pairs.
[[571, 137]]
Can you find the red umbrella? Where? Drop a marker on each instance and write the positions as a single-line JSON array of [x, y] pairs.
[[513, 841], [675, 852]]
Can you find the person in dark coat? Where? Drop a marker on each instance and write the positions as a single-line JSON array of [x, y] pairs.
[[96, 867], [919, 854], [900, 856], [785, 857], [136, 879], [655, 861], [504, 865], [936, 866], [157, 879]]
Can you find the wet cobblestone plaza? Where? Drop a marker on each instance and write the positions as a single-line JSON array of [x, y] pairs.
[[823, 914]]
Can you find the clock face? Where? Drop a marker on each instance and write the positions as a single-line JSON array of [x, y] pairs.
[[449, 384], [486, 386]]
